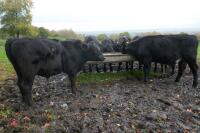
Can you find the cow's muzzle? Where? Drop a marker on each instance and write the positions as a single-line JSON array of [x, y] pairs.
[[101, 58]]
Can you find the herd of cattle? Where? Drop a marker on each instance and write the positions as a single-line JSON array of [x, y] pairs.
[[44, 57], [109, 46]]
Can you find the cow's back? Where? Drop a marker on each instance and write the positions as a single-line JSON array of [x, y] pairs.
[[37, 56], [156, 48], [187, 44], [166, 48], [72, 55]]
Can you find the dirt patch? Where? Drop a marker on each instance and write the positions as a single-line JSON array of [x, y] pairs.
[[119, 106]]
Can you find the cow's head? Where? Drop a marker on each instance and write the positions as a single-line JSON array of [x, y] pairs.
[[129, 48], [92, 52], [122, 43], [124, 40]]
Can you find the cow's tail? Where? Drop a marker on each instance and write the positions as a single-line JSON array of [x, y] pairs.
[[8, 49]]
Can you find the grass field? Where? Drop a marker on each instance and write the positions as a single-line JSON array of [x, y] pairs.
[[6, 70], [198, 56]]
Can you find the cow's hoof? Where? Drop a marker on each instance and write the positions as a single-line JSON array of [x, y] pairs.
[[77, 93], [27, 100], [74, 92], [194, 85], [145, 80], [176, 80], [29, 103], [171, 74]]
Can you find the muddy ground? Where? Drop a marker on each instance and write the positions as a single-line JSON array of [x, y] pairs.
[[127, 105]]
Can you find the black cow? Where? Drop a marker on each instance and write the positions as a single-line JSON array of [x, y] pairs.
[[123, 41], [163, 66], [94, 40], [107, 45], [166, 49], [107, 48], [118, 45], [31, 57]]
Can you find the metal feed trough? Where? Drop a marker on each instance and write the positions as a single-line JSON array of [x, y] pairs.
[[114, 61], [113, 58]]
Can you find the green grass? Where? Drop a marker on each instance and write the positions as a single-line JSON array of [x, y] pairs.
[[198, 53], [6, 68], [2, 51], [84, 78]]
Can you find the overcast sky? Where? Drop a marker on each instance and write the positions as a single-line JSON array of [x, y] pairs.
[[117, 15]]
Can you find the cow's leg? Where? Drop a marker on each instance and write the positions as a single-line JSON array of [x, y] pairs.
[[190, 72], [90, 67], [155, 67], [104, 67], [173, 69], [140, 66], [72, 79], [181, 68], [25, 86], [132, 62], [119, 66], [84, 69], [97, 68], [126, 66], [146, 69], [110, 66], [165, 70], [20, 85], [162, 68], [193, 66]]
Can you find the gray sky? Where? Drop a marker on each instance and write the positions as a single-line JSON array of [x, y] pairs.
[[117, 15]]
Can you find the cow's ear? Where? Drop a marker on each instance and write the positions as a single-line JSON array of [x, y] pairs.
[[85, 46]]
